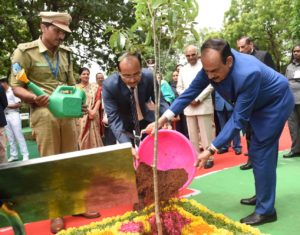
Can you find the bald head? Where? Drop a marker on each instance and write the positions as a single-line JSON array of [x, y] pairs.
[[191, 54], [130, 70]]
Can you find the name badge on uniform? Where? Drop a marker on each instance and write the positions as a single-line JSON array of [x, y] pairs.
[[37, 64], [297, 74]]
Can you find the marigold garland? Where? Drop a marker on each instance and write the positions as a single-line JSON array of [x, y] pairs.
[[179, 216]]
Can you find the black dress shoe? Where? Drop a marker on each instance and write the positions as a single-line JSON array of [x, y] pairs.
[[246, 166], [209, 164], [249, 201], [89, 214], [291, 154], [238, 152], [221, 151], [256, 219]]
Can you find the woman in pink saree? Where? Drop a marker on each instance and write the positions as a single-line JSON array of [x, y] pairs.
[[89, 125]]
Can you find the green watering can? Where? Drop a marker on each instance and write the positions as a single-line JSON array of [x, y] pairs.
[[65, 101]]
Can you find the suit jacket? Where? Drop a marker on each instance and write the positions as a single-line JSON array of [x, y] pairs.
[[259, 95], [116, 96], [264, 57], [221, 104], [3, 105]]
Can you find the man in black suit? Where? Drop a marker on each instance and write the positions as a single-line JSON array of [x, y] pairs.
[[246, 46], [117, 94], [3, 105]]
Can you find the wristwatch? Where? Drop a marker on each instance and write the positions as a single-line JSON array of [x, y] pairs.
[[211, 150]]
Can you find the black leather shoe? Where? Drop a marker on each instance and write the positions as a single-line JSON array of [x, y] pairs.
[[291, 154], [209, 164], [246, 166], [249, 201], [238, 152], [256, 219], [221, 151]]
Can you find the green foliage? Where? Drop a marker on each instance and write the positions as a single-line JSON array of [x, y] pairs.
[[159, 24], [19, 22], [273, 24]]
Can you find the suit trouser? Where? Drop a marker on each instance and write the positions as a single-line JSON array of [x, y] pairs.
[[109, 138], [264, 151], [201, 130], [264, 163], [223, 117], [14, 135], [294, 127], [53, 135]]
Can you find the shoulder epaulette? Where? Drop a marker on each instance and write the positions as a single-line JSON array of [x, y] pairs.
[[65, 48], [28, 45]]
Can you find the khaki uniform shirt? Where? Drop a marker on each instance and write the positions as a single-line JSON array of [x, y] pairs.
[[31, 58], [53, 135]]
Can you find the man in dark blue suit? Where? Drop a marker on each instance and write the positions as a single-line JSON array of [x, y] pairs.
[[259, 95], [117, 93]]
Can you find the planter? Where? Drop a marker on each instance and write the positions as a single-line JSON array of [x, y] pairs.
[[179, 216]]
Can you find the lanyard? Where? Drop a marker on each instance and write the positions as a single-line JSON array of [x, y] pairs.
[[53, 71]]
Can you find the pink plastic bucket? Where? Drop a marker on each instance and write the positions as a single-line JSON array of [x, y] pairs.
[[174, 151]]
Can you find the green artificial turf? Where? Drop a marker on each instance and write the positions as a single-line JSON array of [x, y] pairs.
[[222, 191]]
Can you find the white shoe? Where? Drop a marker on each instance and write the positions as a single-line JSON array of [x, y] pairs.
[[25, 158], [12, 159]]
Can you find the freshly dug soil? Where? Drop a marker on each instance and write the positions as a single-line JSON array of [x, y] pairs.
[[169, 182]]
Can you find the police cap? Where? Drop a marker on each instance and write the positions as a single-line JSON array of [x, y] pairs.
[[61, 20]]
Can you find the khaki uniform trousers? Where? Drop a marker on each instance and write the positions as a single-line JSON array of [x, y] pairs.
[[201, 130], [53, 135]]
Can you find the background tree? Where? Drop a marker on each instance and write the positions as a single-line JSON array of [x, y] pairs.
[[174, 25], [266, 21]]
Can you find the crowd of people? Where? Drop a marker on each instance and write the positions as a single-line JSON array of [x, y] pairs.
[[240, 93]]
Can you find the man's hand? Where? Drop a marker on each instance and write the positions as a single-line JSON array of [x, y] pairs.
[[167, 126], [202, 158], [195, 103], [134, 154], [41, 101], [151, 127]]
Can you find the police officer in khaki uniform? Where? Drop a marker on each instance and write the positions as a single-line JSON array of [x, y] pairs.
[[48, 64]]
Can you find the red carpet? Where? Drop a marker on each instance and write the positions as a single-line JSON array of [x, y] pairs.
[[223, 161]]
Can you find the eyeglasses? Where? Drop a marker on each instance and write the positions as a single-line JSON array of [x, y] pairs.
[[128, 76], [191, 55]]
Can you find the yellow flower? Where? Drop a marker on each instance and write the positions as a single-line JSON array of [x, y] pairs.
[[197, 224]]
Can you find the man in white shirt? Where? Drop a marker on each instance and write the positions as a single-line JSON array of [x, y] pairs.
[[13, 128], [199, 114]]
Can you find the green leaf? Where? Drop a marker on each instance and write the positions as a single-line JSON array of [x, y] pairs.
[[148, 38], [157, 3], [121, 41], [195, 34], [113, 40]]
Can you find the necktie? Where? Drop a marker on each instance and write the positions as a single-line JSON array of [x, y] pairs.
[[134, 115]]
